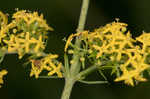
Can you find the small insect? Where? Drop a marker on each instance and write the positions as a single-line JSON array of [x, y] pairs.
[[37, 63]]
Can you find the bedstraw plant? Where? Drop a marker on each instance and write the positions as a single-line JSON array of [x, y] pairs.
[[107, 47]]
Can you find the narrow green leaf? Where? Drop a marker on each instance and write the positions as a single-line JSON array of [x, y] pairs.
[[113, 71], [67, 70], [2, 55], [102, 74], [106, 67], [48, 77], [93, 82], [83, 64], [118, 72]]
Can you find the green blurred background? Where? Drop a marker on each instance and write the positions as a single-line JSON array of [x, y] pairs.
[[63, 16]]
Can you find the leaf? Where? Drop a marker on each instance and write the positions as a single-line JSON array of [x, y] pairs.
[[93, 82], [83, 64], [2, 55], [47, 77], [102, 74], [115, 70], [67, 70]]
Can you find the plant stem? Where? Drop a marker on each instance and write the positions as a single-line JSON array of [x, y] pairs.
[[87, 71], [67, 89], [75, 68], [83, 15]]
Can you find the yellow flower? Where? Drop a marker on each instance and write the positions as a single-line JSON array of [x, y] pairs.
[[112, 38], [4, 30], [129, 75], [2, 73], [26, 42], [12, 46], [145, 39], [37, 68], [39, 44], [29, 18], [101, 49], [69, 40], [4, 19], [55, 69], [47, 63]]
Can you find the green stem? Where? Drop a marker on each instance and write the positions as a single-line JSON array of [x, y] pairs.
[[85, 72], [83, 15], [67, 89], [75, 68]]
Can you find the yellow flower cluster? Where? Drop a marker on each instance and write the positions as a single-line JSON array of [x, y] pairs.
[[145, 40], [31, 18], [2, 73], [69, 40], [47, 63], [138, 60], [26, 33], [24, 43], [115, 41], [3, 23]]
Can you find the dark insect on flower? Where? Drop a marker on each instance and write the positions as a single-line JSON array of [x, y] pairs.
[[37, 63]]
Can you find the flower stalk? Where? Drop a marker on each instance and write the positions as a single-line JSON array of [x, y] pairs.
[[83, 15], [67, 88], [75, 67]]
